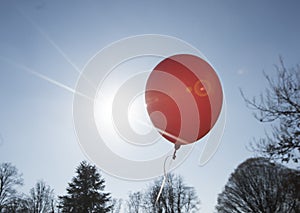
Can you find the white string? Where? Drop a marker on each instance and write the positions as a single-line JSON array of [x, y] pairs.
[[164, 179], [166, 171]]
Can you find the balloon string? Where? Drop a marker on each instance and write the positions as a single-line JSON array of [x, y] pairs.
[[166, 172], [164, 179]]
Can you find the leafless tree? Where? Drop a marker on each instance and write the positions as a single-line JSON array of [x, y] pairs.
[[134, 202], [116, 205], [41, 198], [10, 178], [176, 197], [18, 204], [258, 185], [280, 106]]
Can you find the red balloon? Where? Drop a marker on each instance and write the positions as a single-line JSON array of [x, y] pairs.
[[184, 98]]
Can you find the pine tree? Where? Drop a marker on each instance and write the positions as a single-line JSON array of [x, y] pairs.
[[86, 193]]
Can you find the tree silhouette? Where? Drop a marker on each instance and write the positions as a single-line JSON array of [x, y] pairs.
[[18, 204], [280, 105], [41, 198], [260, 186], [10, 178], [85, 192], [134, 202], [176, 197], [116, 205]]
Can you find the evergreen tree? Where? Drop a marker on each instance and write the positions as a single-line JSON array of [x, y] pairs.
[[86, 193]]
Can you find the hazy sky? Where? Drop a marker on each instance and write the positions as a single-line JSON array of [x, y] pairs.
[[57, 38]]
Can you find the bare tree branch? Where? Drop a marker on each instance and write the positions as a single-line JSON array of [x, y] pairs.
[[279, 104], [258, 185], [10, 178], [176, 197]]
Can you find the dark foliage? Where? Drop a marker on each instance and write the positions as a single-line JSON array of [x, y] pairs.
[[262, 187], [86, 193]]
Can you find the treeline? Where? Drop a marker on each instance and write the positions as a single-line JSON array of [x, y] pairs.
[[40, 198], [86, 193], [256, 185]]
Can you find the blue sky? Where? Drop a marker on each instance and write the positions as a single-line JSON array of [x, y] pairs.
[[240, 39]]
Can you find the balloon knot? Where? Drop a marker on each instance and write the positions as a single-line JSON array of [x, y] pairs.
[[177, 146]]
